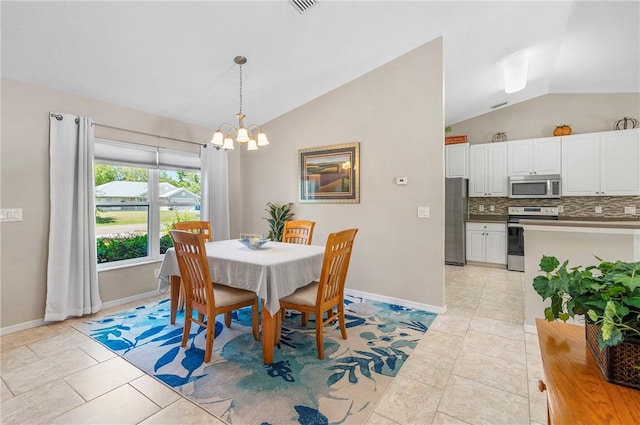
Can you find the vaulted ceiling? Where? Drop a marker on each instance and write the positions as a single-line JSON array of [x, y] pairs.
[[175, 59]]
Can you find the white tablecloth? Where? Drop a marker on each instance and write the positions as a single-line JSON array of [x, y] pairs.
[[273, 271]]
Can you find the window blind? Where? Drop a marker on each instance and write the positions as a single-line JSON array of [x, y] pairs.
[[136, 155]]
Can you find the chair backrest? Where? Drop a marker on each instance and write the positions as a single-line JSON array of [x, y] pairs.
[[194, 270], [337, 255], [298, 231], [203, 228]]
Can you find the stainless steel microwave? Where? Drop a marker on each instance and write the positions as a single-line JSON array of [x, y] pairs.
[[534, 186]]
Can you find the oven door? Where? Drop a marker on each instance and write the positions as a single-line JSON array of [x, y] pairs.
[[515, 239], [515, 247]]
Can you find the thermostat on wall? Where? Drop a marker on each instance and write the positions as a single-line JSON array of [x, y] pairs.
[[401, 180]]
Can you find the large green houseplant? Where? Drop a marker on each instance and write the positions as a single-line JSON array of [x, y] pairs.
[[607, 293], [278, 214]]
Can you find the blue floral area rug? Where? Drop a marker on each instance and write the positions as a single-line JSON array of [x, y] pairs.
[[297, 388]]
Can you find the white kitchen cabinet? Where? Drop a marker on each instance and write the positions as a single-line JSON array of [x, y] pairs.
[[601, 164], [457, 160], [488, 170], [534, 156], [487, 242]]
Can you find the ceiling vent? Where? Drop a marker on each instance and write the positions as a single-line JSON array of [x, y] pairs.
[[497, 105], [303, 5]]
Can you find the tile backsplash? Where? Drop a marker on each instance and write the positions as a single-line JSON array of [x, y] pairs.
[[574, 206]]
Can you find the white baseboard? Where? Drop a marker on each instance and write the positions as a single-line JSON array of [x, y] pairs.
[[397, 301], [131, 299], [39, 322], [375, 297]]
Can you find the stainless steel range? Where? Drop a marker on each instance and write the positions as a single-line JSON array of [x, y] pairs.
[[515, 232]]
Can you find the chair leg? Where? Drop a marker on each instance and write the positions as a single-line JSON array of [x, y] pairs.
[[254, 320], [211, 324], [279, 318], [181, 298], [175, 294], [319, 341], [305, 319], [343, 328], [227, 319], [187, 328]]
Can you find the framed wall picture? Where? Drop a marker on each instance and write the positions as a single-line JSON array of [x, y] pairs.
[[330, 174]]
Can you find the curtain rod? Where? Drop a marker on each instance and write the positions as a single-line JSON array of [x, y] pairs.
[[59, 118], [149, 134]]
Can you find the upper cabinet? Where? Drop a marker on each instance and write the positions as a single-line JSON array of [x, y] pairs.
[[601, 164], [457, 160], [488, 169], [534, 156]]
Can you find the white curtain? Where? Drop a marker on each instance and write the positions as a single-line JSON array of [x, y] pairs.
[[72, 276], [215, 191]]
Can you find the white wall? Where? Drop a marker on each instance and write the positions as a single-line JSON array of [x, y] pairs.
[[585, 113], [396, 113], [24, 183]]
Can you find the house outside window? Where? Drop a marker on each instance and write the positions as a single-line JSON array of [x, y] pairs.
[[140, 192]]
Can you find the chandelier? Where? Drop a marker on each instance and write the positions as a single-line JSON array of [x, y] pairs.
[[243, 134]]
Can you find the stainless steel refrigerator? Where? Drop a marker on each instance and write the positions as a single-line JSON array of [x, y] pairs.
[[455, 201]]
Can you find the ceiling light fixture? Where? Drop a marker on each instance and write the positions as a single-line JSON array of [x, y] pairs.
[[243, 134], [515, 72]]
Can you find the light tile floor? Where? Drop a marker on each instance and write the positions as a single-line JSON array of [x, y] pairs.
[[475, 365]]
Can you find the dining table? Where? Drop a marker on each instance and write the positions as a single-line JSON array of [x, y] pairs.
[[272, 271]]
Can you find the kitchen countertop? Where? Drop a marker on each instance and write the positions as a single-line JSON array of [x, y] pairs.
[[480, 218], [585, 223]]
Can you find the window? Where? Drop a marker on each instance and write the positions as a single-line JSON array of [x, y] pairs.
[[140, 191]]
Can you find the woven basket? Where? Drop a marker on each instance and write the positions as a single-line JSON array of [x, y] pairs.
[[616, 363]]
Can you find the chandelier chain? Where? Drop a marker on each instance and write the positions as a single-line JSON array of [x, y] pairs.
[[240, 88]]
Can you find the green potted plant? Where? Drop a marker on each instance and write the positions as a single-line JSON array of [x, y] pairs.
[[608, 294], [278, 214]]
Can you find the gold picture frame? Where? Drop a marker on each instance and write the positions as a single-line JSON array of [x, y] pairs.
[[329, 174]]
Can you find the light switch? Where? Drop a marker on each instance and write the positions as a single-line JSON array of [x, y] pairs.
[[630, 210], [11, 214], [423, 212], [402, 180]]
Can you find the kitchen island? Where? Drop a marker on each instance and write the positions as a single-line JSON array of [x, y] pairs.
[[578, 241]]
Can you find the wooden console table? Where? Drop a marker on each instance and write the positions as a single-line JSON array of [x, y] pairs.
[[577, 393]]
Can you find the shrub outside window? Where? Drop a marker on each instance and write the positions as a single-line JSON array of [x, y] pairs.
[[140, 192]]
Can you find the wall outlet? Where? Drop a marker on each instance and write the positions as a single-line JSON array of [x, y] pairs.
[[598, 210], [560, 208], [423, 212], [492, 207], [630, 210], [156, 273], [481, 208]]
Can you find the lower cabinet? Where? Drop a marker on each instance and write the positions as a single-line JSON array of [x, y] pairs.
[[487, 242]]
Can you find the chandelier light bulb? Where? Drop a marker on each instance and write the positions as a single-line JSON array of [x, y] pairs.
[[262, 139], [228, 142], [252, 146], [217, 138], [243, 135]]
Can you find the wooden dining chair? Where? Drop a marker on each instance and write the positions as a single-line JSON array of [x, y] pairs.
[[202, 228], [328, 293], [202, 295], [298, 231]]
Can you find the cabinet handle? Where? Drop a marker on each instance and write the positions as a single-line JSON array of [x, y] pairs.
[[542, 387]]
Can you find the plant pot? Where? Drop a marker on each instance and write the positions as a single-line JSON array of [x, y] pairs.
[[617, 363]]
